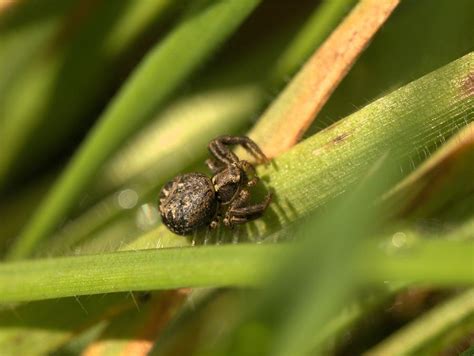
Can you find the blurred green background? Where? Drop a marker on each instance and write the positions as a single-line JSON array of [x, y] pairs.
[[102, 102]]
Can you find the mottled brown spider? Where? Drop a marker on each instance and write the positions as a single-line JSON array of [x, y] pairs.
[[193, 200]]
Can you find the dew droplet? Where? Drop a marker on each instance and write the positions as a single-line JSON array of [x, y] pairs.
[[147, 217], [399, 239], [127, 198]]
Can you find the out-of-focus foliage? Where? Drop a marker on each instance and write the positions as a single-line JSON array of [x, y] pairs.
[[367, 247], [417, 39]]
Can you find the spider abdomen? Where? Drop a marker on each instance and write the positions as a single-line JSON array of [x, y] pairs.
[[187, 203]]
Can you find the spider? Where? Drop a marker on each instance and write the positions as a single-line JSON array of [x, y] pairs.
[[193, 200]]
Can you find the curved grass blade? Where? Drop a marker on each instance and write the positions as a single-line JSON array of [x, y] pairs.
[[171, 61]]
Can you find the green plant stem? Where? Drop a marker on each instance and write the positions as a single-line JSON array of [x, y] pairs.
[[172, 61], [218, 266], [241, 265]]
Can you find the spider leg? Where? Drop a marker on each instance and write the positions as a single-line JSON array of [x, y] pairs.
[[214, 223], [248, 144], [250, 210], [214, 165], [234, 221], [220, 146], [238, 213], [222, 152], [249, 170]]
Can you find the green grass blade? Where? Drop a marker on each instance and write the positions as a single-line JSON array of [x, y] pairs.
[[51, 96], [216, 266], [407, 123], [431, 326], [399, 263], [21, 45], [160, 73], [242, 265], [142, 166], [403, 51], [133, 332], [446, 178], [328, 252], [45, 325], [291, 114], [320, 24]]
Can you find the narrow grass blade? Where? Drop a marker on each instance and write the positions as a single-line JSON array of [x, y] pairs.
[[171, 61], [442, 181], [134, 332], [406, 122], [322, 21], [297, 106], [399, 261], [143, 166], [51, 95], [404, 50], [328, 251], [411, 339], [243, 265], [43, 326], [217, 266]]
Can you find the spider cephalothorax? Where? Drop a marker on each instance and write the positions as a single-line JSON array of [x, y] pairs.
[[193, 200]]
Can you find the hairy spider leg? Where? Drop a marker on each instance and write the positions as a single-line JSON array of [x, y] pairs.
[[248, 144], [222, 153], [249, 168], [214, 165], [219, 148], [238, 213]]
